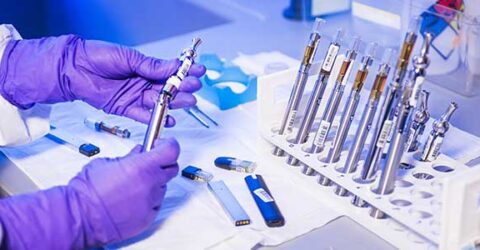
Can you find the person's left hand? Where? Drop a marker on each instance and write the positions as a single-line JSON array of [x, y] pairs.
[[116, 79]]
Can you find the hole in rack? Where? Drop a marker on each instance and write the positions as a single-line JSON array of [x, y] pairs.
[[307, 155], [443, 168], [419, 214], [401, 202], [422, 194], [406, 166], [403, 183], [291, 145], [423, 176]]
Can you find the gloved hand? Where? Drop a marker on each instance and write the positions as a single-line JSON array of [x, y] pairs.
[[116, 79], [109, 200]]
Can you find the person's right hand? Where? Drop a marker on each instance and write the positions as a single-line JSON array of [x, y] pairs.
[[108, 201]]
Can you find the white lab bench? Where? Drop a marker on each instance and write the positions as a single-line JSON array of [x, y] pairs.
[[258, 26]]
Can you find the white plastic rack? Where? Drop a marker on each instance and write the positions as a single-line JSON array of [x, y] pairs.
[[434, 205]]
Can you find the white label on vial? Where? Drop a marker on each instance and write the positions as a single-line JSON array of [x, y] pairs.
[[437, 143], [291, 120], [330, 58], [384, 133], [182, 72], [263, 195], [409, 142], [322, 133]]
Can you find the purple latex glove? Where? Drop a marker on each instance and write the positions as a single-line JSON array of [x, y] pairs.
[[108, 201], [116, 79]]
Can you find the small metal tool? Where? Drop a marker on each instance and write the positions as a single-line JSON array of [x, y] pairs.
[[159, 115], [102, 126], [417, 125], [409, 99], [299, 84], [434, 142], [317, 94], [199, 115], [384, 124], [332, 106]]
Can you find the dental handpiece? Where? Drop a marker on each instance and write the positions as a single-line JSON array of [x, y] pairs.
[[317, 94], [299, 84], [432, 146], [351, 105], [384, 123], [386, 184], [160, 111], [367, 118], [417, 125], [332, 104]]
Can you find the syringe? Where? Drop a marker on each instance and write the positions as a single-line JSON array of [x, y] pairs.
[[332, 106], [160, 111], [317, 94], [299, 84]]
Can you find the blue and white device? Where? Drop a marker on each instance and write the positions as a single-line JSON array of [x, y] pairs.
[[265, 202]]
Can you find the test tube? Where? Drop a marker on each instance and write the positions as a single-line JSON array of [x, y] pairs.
[[317, 94], [299, 84]]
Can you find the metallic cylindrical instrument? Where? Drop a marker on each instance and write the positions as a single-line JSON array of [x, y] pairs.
[[299, 84], [160, 111], [317, 94]]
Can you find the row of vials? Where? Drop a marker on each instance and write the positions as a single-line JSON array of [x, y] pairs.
[[401, 119]]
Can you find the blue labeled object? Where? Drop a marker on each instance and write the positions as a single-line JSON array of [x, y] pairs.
[[265, 202], [223, 96]]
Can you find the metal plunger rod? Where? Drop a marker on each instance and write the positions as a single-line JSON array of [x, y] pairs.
[[299, 84], [317, 94], [160, 111]]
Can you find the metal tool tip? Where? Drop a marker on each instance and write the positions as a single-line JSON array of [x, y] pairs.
[[317, 24]]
